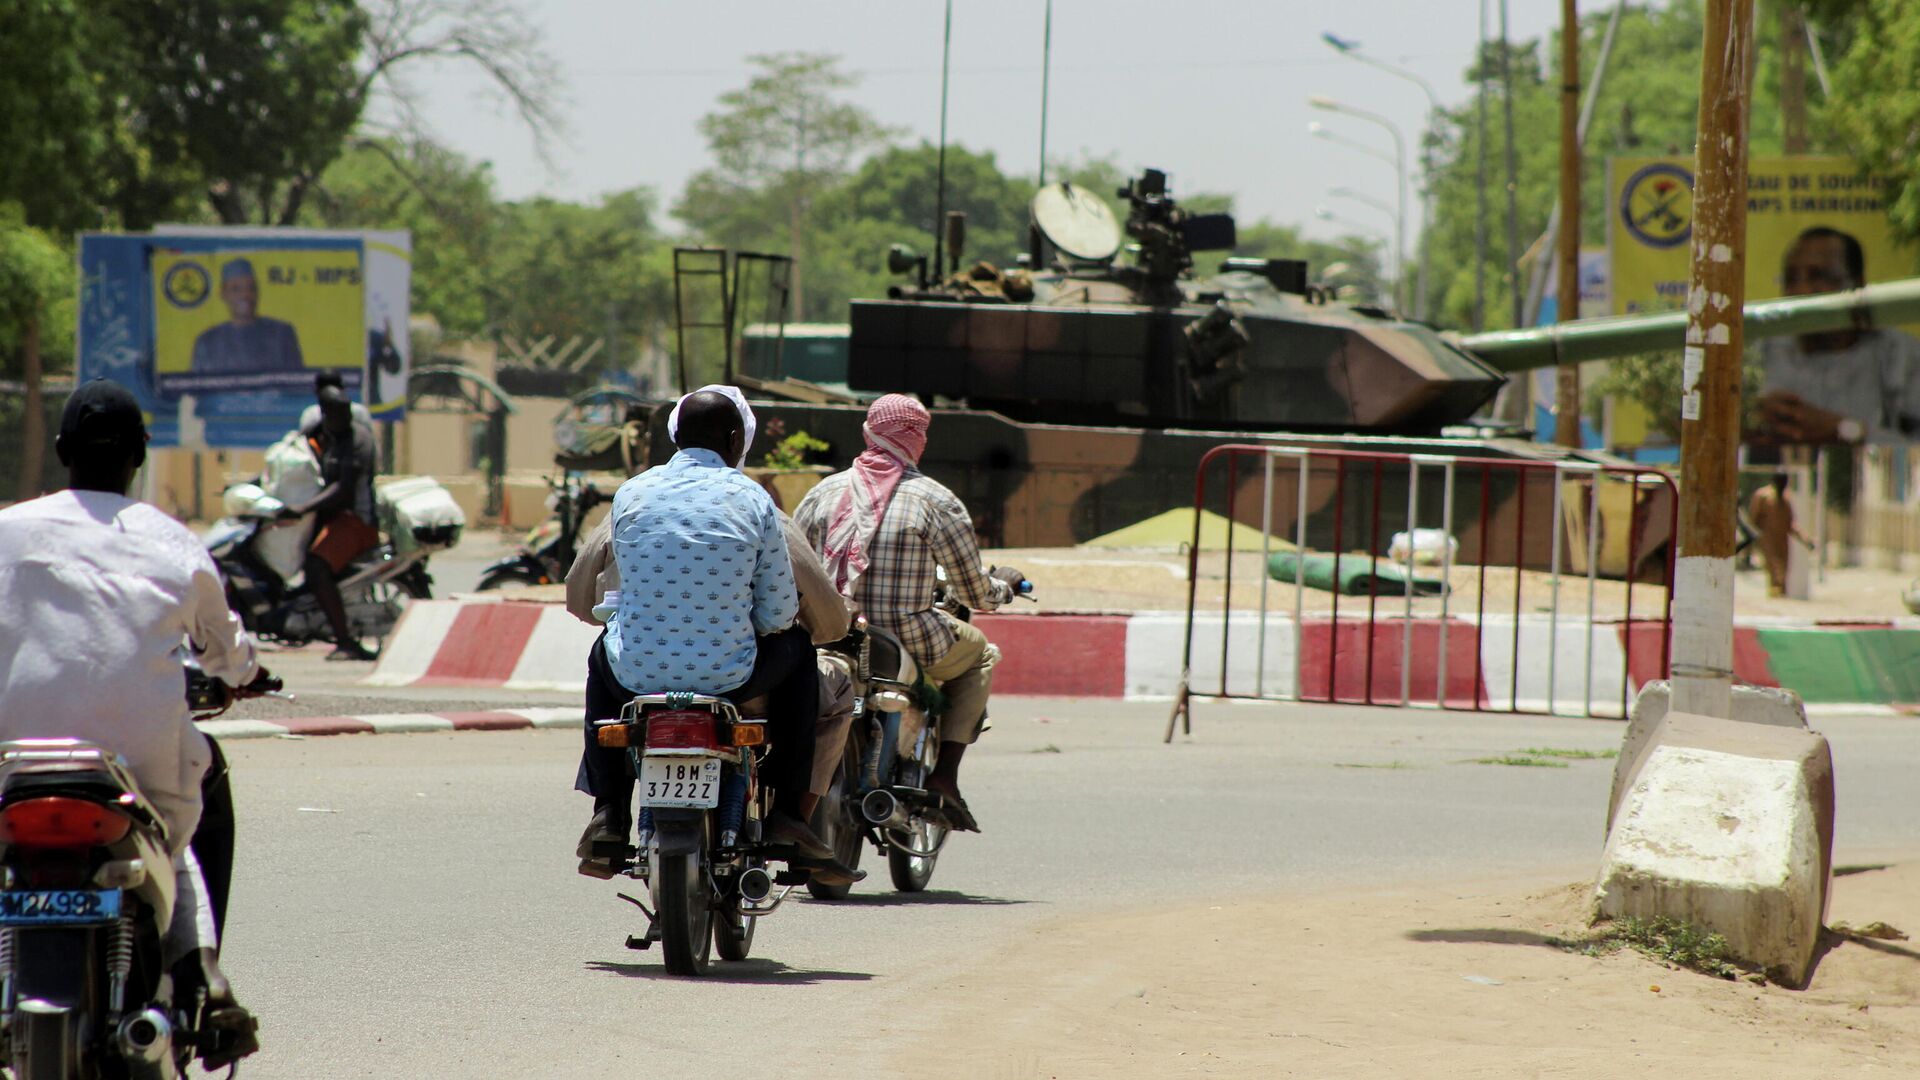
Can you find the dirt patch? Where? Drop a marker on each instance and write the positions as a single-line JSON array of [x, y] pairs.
[[1464, 982]]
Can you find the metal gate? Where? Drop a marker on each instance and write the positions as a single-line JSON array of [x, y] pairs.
[[1578, 544]]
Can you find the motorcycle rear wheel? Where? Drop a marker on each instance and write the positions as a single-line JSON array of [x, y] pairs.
[[834, 823], [517, 577], [733, 932], [685, 913], [912, 873]]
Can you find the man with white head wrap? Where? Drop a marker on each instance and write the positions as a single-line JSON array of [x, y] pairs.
[[706, 605]]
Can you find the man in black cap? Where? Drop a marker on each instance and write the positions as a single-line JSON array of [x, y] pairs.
[[97, 593], [344, 526]]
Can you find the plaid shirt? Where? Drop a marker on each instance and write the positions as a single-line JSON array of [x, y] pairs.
[[925, 525]]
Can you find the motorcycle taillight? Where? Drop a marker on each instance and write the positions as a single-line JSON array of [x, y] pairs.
[[55, 821], [681, 729]]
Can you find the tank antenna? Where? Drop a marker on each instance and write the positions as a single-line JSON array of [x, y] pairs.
[[940, 183]]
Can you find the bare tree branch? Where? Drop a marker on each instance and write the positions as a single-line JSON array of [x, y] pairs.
[[494, 35]]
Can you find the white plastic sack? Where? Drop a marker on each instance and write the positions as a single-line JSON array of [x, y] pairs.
[[291, 475], [418, 503], [1426, 547]]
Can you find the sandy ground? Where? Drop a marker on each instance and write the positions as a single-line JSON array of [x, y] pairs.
[[1429, 982]]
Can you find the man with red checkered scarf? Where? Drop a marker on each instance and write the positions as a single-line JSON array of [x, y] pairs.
[[882, 528]]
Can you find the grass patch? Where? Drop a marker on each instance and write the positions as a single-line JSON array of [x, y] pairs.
[[1669, 941], [1047, 749], [1520, 760], [1374, 765], [1570, 755]]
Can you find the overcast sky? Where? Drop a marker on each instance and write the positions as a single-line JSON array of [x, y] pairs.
[[1212, 91]]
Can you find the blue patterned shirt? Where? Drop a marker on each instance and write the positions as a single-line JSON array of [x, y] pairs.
[[703, 570]]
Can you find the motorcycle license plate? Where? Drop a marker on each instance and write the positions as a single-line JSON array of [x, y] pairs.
[[676, 781], [53, 907]]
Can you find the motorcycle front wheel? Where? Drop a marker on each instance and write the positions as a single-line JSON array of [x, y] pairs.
[[834, 823], [685, 913], [733, 932]]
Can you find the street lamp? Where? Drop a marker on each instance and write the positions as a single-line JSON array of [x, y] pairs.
[[1351, 49], [1321, 131], [1321, 101]]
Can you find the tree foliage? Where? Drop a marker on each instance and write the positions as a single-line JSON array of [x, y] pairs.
[[1875, 107]]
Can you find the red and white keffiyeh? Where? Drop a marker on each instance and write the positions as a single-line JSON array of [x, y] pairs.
[[896, 431]]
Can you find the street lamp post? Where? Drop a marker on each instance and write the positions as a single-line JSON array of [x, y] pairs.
[[1351, 49], [1328, 104]]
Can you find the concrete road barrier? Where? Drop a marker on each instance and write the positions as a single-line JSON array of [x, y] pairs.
[[1728, 825], [1753, 704]]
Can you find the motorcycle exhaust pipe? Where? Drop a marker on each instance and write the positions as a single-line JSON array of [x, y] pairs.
[[883, 811], [145, 1042], [755, 885]]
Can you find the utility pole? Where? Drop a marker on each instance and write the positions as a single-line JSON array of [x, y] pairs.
[[1513, 172], [1793, 79], [1566, 408], [1480, 186], [1710, 371]]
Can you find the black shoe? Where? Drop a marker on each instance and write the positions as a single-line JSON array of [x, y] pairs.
[[604, 838], [785, 830], [831, 872], [353, 651]]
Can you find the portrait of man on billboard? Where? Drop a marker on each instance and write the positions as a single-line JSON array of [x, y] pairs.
[[248, 342], [1857, 385]]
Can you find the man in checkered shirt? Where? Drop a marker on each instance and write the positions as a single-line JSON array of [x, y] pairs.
[[882, 527]]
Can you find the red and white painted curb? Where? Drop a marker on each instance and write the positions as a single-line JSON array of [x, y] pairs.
[[1530, 662], [395, 723]]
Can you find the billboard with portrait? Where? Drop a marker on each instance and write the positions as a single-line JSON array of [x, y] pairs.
[[220, 332], [1807, 216]]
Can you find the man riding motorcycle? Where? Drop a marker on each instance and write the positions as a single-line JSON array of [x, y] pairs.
[[883, 529], [97, 593], [706, 604], [344, 513], [595, 575]]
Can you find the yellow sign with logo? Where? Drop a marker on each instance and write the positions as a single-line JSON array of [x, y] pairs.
[[263, 319], [1650, 223], [1650, 226]]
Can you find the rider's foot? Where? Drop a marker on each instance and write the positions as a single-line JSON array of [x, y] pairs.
[[952, 811], [783, 829], [227, 1030], [830, 871], [355, 651], [604, 837]]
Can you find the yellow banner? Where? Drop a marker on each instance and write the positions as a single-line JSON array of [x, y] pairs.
[[1650, 222], [256, 320]]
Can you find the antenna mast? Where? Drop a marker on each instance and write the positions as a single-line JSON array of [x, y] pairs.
[[940, 198]]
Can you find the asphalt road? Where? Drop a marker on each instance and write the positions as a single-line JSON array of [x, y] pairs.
[[406, 905]]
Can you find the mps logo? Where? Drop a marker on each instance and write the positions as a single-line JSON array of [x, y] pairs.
[[186, 285], [1657, 205]]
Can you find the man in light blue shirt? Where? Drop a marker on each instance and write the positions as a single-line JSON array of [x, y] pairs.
[[707, 605]]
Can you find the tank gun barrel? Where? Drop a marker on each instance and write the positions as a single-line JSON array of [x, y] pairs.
[[1885, 304]]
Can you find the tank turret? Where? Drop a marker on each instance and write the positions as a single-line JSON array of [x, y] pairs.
[[1136, 339]]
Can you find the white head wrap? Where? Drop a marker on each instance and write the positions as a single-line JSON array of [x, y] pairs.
[[731, 393]]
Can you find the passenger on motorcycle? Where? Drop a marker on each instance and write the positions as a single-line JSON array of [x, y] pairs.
[[707, 604], [823, 613], [97, 593], [883, 528], [344, 512]]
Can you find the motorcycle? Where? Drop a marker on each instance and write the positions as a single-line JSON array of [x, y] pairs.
[[257, 554], [87, 890], [698, 759], [879, 793], [548, 552]]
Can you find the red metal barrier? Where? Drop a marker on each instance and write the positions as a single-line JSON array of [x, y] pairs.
[[1418, 655]]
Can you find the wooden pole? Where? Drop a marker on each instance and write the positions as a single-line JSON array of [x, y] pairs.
[[1710, 379], [1566, 410], [1512, 271], [1793, 79]]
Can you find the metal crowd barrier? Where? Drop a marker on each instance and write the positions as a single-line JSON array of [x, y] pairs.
[[1605, 524]]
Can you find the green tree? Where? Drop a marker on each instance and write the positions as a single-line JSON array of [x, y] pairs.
[[444, 200], [594, 271], [777, 143], [1875, 105], [36, 308]]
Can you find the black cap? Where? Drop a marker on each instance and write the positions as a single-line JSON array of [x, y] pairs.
[[102, 413]]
